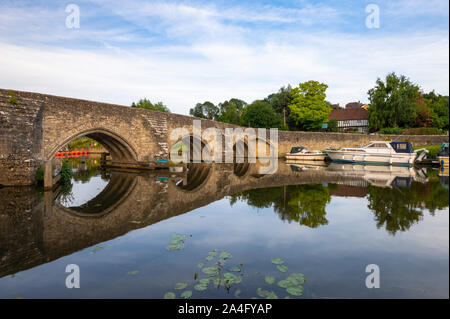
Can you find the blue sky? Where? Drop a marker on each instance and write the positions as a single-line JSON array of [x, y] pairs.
[[184, 52]]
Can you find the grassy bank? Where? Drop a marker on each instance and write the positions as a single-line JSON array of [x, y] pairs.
[[432, 150]]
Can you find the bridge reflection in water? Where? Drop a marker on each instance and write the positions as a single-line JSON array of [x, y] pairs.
[[36, 228]]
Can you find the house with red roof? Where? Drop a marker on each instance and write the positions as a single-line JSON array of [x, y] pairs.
[[351, 119]]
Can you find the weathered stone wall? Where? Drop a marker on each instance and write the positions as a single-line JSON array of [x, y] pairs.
[[20, 139]]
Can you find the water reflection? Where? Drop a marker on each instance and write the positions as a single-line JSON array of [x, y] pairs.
[[103, 205]]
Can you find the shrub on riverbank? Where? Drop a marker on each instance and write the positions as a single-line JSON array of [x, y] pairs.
[[432, 150]]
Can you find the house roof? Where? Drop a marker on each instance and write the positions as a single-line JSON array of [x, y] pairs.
[[353, 105], [349, 114]]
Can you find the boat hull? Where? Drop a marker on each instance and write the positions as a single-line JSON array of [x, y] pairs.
[[398, 159], [306, 157]]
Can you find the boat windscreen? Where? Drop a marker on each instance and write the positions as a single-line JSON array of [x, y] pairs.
[[297, 149], [402, 147]]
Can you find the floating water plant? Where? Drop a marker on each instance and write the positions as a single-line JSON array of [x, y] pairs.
[[186, 294], [133, 272], [277, 261], [180, 285], [177, 242], [269, 279], [93, 251], [282, 268], [169, 295]]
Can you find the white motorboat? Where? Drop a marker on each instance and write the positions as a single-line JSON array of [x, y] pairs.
[[377, 153], [302, 153]]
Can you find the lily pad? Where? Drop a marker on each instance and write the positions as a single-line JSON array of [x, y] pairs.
[[186, 294], [204, 281], [224, 255], [133, 272], [211, 270], [284, 284], [174, 247], [295, 291], [209, 258], [271, 295], [270, 280], [277, 261], [200, 287], [169, 295], [282, 268], [93, 251], [299, 276], [237, 293], [180, 285], [235, 269], [262, 293], [200, 265]]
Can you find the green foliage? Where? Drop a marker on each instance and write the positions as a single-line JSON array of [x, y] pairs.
[[230, 111], [146, 104], [393, 102], [280, 103], [66, 173], [261, 114], [40, 175], [308, 107], [12, 99], [206, 110], [333, 125], [438, 109], [432, 150], [83, 142]]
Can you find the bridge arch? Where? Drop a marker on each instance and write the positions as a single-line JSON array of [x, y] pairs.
[[119, 148]]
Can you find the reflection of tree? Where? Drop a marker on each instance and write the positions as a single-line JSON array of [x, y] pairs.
[[304, 204], [399, 208]]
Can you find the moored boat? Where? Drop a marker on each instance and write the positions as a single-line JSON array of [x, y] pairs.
[[302, 153], [376, 153]]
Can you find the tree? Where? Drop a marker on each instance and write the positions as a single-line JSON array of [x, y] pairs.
[[280, 103], [206, 110], [261, 114], [438, 106], [393, 102], [308, 107], [333, 125], [146, 104], [230, 111]]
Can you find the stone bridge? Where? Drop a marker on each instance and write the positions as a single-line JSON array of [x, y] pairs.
[[34, 127]]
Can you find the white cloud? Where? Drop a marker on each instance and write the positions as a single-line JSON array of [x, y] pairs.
[[212, 59]]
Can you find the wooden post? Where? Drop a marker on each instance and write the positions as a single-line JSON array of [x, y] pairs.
[[48, 175], [103, 159]]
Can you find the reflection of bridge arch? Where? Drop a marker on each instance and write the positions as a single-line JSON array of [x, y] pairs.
[[196, 175], [115, 192], [119, 148]]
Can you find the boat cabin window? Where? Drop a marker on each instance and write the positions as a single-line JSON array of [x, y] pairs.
[[402, 147], [377, 145]]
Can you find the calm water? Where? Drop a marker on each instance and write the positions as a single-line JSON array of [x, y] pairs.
[[138, 235]]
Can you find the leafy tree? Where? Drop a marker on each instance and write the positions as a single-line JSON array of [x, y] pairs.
[[438, 106], [146, 104], [230, 111], [308, 107], [333, 125], [393, 102], [280, 103], [260, 114], [206, 110]]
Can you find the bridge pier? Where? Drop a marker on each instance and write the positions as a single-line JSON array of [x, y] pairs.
[[48, 175]]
